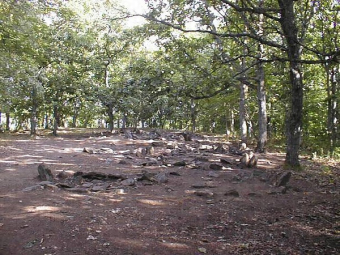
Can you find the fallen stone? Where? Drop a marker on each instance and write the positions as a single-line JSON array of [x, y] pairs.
[[45, 174], [161, 178], [278, 190], [141, 152], [204, 193], [180, 163], [199, 186], [100, 187], [65, 185], [63, 175], [213, 174], [232, 192], [174, 173], [128, 182], [225, 162], [106, 150], [215, 166], [116, 176], [32, 188], [158, 143], [283, 179], [78, 190], [172, 145], [94, 175], [150, 150], [88, 150]]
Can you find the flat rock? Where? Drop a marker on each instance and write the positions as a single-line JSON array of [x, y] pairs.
[[45, 174], [100, 187], [215, 166], [213, 174], [232, 192], [128, 182], [180, 163], [204, 193]]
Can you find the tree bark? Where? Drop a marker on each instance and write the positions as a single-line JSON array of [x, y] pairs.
[[261, 92], [109, 108], [294, 120], [34, 111]]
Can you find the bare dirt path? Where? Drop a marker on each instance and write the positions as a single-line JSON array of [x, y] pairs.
[[171, 201]]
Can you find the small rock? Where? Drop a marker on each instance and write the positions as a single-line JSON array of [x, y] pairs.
[[128, 182], [32, 188], [161, 178], [88, 150], [225, 161], [284, 179], [232, 192], [78, 190], [45, 174], [204, 193], [174, 173], [100, 187], [213, 174], [157, 144], [180, 163], [215, 166]]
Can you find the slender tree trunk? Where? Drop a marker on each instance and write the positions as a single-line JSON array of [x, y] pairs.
[[333, 113], [193, 115], [56, 119], [294, 120], [109, 108], [8, 121], [261, 92], [34, 111], [243, 121]]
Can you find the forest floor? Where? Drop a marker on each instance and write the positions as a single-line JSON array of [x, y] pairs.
[[185, 197]]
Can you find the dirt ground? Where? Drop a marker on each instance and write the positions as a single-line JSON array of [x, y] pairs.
[[193, 203]]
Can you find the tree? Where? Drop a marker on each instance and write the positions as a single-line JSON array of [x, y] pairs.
[[286, 26]]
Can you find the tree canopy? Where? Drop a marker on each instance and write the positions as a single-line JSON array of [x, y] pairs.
[[261, 71]]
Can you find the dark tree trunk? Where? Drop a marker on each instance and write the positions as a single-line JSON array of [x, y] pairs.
[[294, 120], [56, 119], [34, 111], [7, 121], [110, 114]]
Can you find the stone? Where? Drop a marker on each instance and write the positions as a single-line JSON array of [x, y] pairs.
[[65, 185], [141, 152], [128, 182], [180, 163], [213, 174], [225, 161], [232, 192], [45, 174], [78, 190], [32, 188], [88, 150], [215, 166], [172, 145], [204, 193], [161, 178], [116, 176], [100, 187], [174, 173], [283, 179], [150, 150], [63, 175], [221, 148], [94, 175], [158, 143]]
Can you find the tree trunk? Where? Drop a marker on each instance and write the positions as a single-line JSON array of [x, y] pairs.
[[56, 119], [8, 120], [34, 111], [193, 115], [294, 120], [110, 114], [261, 92], [243, 122], [333, 113]]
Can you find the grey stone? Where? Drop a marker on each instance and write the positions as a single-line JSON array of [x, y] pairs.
[[204, 193], [161, 178], [45, 174], [128, 182], [215, 166], [232, 192]]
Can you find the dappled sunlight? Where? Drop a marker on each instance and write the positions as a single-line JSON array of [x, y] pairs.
[[175, 245], [151, 202]]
